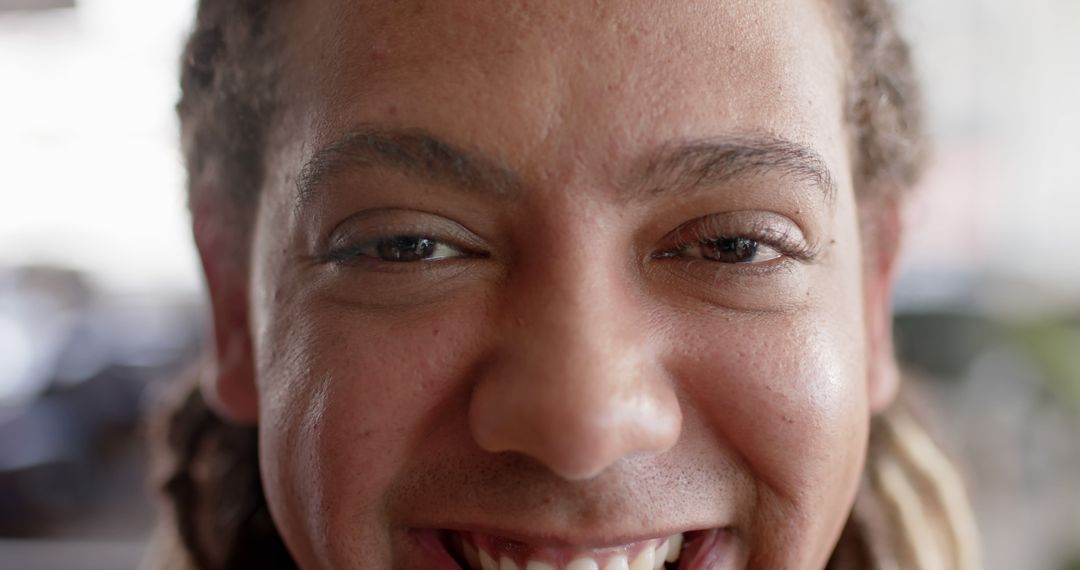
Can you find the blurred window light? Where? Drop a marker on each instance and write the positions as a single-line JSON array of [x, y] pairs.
[[93, 177], [19, 5], [998, 210]]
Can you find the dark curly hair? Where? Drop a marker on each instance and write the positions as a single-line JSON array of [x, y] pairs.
[[207, 468]]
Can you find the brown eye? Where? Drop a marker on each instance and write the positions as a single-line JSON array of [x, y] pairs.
[[738, 238], [731, 250], [401, 249], [405, 248]]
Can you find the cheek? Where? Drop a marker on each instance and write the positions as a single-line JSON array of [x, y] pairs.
[[345, 405], [786, 395]]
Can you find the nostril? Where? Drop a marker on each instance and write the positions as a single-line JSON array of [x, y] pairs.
[[566, 445], [576, 446]]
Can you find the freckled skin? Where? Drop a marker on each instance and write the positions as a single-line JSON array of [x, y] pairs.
[[568, 384]]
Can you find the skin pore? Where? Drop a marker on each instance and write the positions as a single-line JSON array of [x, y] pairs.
[[557, 283]]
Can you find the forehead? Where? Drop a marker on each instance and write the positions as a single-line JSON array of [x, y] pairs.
[[558, 85]]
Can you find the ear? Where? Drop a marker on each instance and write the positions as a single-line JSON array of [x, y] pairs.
[[881, 243], [228, 383]]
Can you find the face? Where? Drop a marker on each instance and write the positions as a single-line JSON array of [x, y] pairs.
[[565, 286]]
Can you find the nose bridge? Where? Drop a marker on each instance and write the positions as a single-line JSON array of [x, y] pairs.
[[577, 301], [573, 382], [578, 334]]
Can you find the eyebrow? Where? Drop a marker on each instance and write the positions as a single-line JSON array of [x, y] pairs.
[[677, 167], [413, 152], [713, 162]]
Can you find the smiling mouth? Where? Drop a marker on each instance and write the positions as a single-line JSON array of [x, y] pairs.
[[680, 551]]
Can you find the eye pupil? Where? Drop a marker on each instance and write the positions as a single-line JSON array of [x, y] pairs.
[[405, 248], [730, 249]]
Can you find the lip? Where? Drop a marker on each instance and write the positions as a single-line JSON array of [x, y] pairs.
[[703, 549]]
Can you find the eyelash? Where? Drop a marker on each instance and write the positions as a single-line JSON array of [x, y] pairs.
[[352, 252], [696, 233], [710, 229]]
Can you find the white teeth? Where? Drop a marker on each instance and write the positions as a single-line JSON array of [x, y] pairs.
[[487, 562], [583, 564], [649, 558], [644, 560], [674, 547], [660, 555], [617, 563]]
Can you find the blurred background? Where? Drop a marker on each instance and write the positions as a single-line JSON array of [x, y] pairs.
[[101, 303]]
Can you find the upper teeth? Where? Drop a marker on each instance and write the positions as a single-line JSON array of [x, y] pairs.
[[648, 557]]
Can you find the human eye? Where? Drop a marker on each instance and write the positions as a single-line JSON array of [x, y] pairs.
[[739, 239], [399, 240], [401, 248], [731, 249], [385, 257]]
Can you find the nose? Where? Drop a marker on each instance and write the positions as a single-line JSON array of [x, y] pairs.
[[573, 382]]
